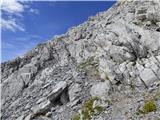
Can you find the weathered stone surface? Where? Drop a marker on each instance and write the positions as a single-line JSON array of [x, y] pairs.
[[141, 10], [158, 23], [48, 114], [42, 108], [100, 89], [57, 91], [148, 76], [28, 117], [20, 118], [73, 92], [113, 55], [64, 99], [12, 87]]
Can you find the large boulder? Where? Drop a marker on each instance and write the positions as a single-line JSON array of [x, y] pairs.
[[56, 93], [11, 87]]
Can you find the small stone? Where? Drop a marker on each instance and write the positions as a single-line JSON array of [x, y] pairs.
[[28, 117], [42, 107], [20, 118], [158, 24], [141, 17], [40, 100], [140, 100], [148, 23], [48, 114], [27, 106], [142, 10], [53, 109]]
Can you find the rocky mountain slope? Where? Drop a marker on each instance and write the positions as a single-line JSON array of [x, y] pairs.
[[107, 68]]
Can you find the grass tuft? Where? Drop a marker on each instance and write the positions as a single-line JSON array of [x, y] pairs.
[[88, 111]]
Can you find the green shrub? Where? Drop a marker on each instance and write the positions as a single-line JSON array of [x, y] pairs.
[[98, 109], [86, 115], [76, 117], [90, 66], [109, 102], [88, 62], [149, 106], [88, 111], [89, 104]]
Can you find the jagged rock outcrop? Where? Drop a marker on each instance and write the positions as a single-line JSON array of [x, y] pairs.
[[116, 52]]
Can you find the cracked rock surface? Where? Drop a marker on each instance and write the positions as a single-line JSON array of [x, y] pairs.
[[107, 68]]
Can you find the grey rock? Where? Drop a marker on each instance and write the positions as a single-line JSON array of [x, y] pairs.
[[11, 87], [48, 114], [28, 117], [64, 98], [141, 10], [42, 107], [148, 76], [74, 103], [74, 92], [20, 118], [158, 23], [57, 91], [100, 89], [41, 100]]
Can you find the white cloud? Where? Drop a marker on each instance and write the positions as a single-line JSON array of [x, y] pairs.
[[7, 45], [11, 25], [12, 6], [14, 9], [35, 11]]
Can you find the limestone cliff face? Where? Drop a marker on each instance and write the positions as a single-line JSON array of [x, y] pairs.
[[107, 68]]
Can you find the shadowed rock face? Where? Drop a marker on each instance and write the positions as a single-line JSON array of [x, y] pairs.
[[105, 68]]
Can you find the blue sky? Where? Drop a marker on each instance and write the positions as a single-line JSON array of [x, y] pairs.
[[25, 24]]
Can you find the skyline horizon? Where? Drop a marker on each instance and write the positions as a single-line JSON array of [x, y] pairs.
[[17, 41]]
